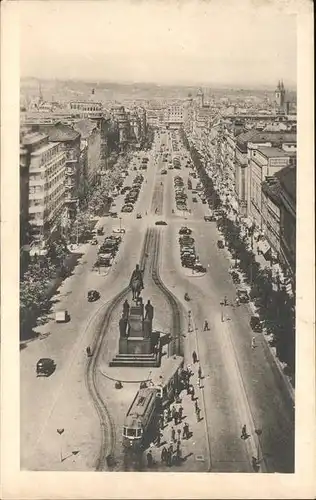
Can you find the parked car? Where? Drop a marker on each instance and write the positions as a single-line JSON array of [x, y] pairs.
[[138, 216], [164, 171], [93, 295], [62, 316], [194, 199], [45, 366], [161, 223], [119, 230], [255, 324], [185, 230], [127, 208]]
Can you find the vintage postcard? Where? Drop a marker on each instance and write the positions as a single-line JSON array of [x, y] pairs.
[[157, 249]]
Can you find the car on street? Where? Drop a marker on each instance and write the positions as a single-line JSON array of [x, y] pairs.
[[127, 208], [164, 171], [45, 366], [161, 223], [119, 230], [138, 216], [185, 230], [113, 214], [194, 199], [93, 295], [255, 324]]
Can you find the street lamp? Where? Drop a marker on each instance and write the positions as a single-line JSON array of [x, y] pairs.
[[258, 432], [60, 432], [222, 311], [120, 219]]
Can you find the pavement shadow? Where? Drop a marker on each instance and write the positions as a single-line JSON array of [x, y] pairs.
[[187, 456]]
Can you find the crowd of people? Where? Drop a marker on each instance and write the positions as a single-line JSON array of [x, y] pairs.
[[173, 428]]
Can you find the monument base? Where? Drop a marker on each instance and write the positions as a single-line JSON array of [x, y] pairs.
[[135, 345]]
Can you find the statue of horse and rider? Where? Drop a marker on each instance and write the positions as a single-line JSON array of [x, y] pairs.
[[136, 282]]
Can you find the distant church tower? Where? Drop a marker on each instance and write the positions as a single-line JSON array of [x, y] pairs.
[[280, 96], [200, 98]]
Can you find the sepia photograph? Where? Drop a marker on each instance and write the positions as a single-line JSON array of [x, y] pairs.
[[157, 256]]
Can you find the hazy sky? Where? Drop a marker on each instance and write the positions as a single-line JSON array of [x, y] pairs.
[[159, 41]]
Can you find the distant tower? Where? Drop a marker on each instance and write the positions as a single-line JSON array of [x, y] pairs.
[[40, 95], [280, 96], [200, 98]]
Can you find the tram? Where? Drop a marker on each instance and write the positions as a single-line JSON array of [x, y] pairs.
[[151, 398]]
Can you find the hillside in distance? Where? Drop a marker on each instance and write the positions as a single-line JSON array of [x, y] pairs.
[[109, 91]]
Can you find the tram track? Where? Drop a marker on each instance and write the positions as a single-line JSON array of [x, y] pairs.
[[107, 427], [150, 251]]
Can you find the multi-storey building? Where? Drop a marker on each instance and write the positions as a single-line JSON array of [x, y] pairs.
[[287, 180], [121, 118], [70, 142], [174, 116], [271, 213], [46, 164], [263, 161], [90, 137], [87, 109]]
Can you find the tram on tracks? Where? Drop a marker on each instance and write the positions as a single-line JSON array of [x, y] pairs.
[[152, 396]]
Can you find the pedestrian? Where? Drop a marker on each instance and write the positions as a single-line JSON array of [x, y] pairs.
[[188, 388], [225, 301], [194, 357], [243, 432], [192, 393], [165, 416], [168, 457], [200, 372], [164, 454], [171, 448], [149, 459], [196, 404], [253, 342], [175, 417], [186, 432], [180, 413], [173, 434], [179, 435], [173, 412], [158, 438], [237, 302], [199, 383], [179, 454], [206, 327], [198, 414], [88, 350], [168, 414]]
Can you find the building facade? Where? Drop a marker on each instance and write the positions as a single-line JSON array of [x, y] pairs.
[[287, 179], [271, 213], [263, 161], [46, 163]]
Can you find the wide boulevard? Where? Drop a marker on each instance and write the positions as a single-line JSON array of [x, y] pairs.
[[241, 385]]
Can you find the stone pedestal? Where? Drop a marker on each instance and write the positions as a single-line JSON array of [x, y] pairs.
[[135, 346]]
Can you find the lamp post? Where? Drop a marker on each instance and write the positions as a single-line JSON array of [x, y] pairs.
[[222, 312], [60, 432], [120, 219], [258, 432]]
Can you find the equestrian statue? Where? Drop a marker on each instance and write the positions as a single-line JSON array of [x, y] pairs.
[[136, 282]]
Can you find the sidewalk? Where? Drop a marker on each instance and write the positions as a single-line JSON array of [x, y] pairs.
[[195, 451]]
